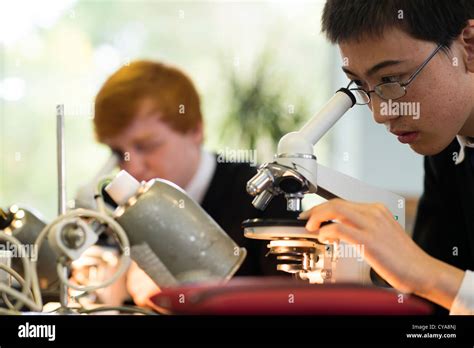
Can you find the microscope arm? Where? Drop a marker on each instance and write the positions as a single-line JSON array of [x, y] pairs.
[[332, 184], [296, 172], [325, 181]]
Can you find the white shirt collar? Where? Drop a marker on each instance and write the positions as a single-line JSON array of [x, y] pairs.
[[201, 180], [463, 142]]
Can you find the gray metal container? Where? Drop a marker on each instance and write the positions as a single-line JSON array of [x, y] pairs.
[[174, 240], [26, 226]]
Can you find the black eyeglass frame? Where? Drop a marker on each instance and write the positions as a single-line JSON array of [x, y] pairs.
[[403, 85]]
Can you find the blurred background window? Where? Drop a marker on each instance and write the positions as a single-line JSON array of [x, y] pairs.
[[262, 68]]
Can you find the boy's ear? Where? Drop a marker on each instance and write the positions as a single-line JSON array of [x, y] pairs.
[[198, 133], [467, 40]]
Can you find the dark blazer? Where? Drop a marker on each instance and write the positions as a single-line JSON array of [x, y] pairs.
[[228, 203], [444, 225]]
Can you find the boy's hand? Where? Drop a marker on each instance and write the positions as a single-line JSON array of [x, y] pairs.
[[387, 248]]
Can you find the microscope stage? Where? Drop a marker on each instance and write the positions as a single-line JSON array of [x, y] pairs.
[[272, 229]]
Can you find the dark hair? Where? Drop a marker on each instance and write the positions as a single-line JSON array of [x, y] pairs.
[[439, 21]]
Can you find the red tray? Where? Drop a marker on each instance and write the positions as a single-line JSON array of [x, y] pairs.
[[284, 296]]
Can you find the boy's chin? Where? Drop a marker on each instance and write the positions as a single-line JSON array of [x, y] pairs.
[[427, 148]]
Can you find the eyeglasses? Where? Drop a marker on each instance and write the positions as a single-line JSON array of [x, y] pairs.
[[389, 90]]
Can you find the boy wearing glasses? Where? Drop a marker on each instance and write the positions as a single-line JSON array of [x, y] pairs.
[[405, 51]]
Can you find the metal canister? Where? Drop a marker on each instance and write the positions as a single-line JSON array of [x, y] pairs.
[[173, 239]]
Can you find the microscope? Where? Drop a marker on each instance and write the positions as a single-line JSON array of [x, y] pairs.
[[294, 173]]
